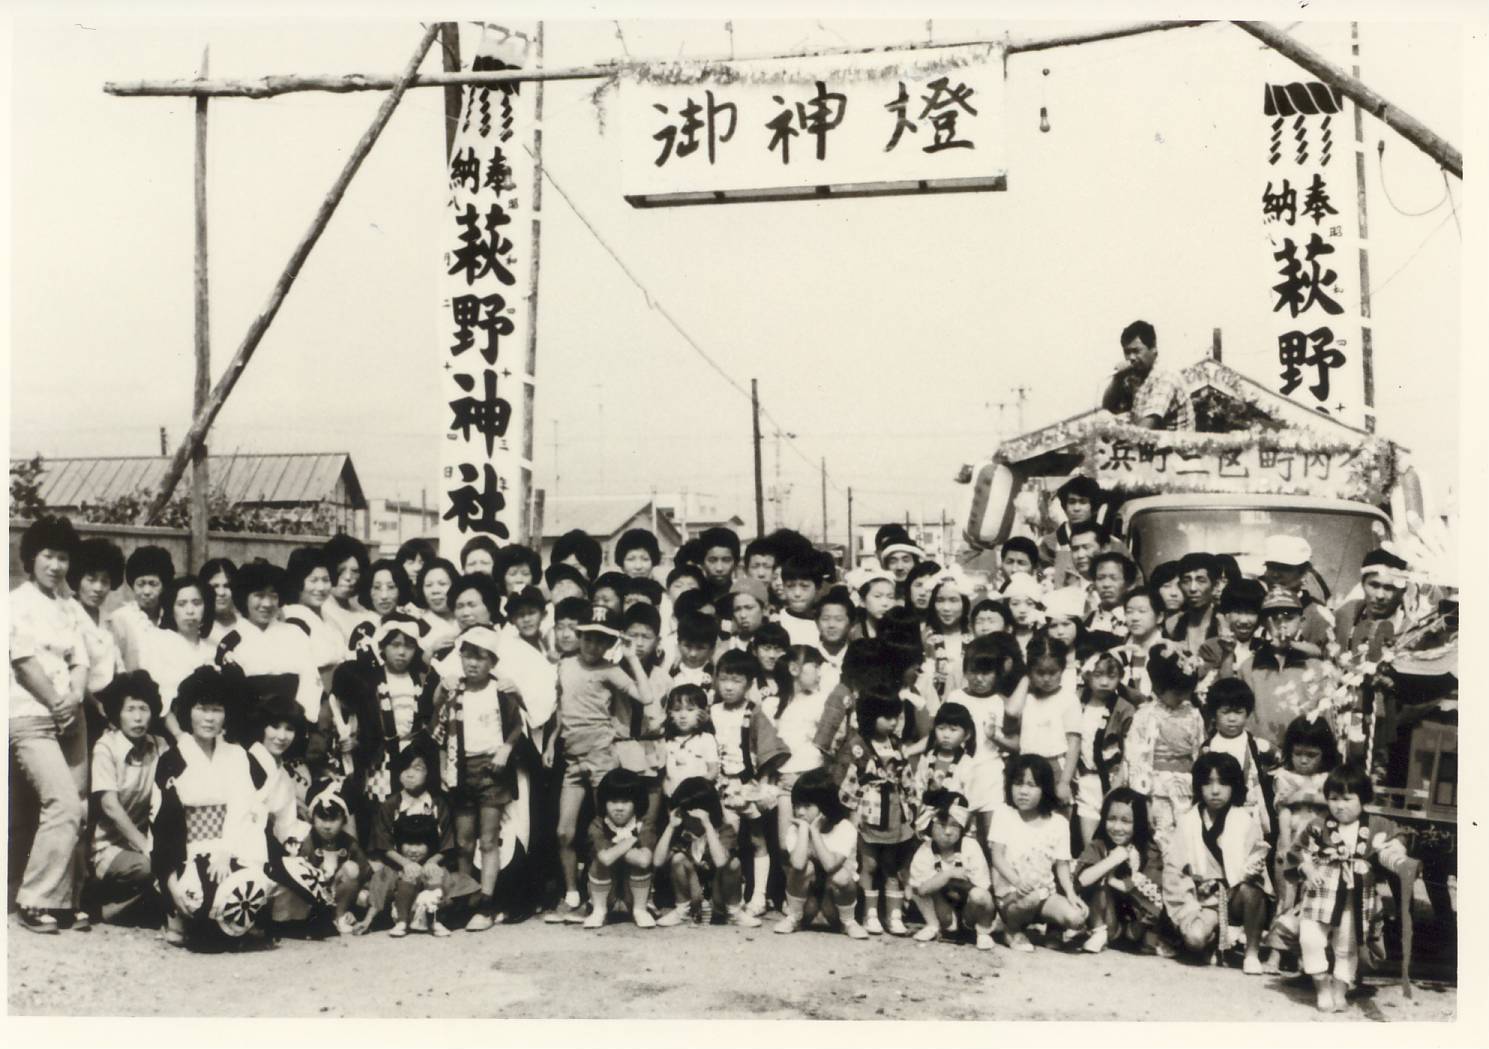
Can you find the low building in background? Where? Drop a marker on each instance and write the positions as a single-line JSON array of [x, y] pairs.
[[607, 519]]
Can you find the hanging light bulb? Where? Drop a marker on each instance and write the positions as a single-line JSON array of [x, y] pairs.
[[1044, 113]]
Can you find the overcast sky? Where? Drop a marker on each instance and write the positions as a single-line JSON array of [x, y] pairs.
[[883, 331]]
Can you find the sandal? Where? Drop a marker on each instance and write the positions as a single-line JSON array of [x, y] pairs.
[[38, 920]]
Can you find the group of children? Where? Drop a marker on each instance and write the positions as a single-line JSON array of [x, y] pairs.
[[749, 734]]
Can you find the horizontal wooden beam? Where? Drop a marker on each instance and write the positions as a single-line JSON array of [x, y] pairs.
[[270, 86], [1408, 126]]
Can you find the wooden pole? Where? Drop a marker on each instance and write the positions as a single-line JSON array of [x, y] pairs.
[[755, 443], [197, 549], [850, 557], [529, 419], [269, 86], [202, 422], [449, 41], [1367, 346], [1408, 126]]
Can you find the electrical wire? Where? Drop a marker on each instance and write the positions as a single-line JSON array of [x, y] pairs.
[[1412, 257], [1448, 189], [656, 305], [1380, 161]]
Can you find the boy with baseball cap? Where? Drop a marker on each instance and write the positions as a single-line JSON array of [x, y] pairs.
[[589, 688], [1288, 565]]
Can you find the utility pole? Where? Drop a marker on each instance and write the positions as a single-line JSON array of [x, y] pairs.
[[196, 551], [555, 457], [1367, 347], [759, 480], [529, 421], [824, 500], [1021, 392], [778, 493], [851, 556], [163, 447]]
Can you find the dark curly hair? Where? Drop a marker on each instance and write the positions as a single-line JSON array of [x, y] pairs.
[[47, 533], [400, 580], [132, 684], [96, 555]]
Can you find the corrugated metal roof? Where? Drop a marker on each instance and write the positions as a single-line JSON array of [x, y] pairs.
[[270, 480]]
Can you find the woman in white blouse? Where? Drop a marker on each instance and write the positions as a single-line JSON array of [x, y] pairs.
[[262, 645], [216, 577], [306, 592], [181, 644], [48, 677], [346, 557], [96, 571]]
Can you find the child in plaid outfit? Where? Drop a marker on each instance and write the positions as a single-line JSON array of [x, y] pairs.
[[1338, 859]]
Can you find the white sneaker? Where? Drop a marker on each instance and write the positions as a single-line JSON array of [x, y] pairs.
[[676, 916], [789, 924], [1020, 942], [871, 923], [643, 919], [596, 918], [929, 934], [438, 929], [756, 907], [1096, 942], [896, 925], [985, 941], [855, 931], [745, 918]]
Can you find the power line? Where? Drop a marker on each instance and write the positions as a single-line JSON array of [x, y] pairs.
[[1448, 189], [656, 305], [1412, 257], [1380, 163]]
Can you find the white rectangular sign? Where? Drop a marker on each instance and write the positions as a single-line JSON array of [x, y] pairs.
[[842, 125], [485, 310], [1309, 257]]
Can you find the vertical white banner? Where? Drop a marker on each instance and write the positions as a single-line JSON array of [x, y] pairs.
[[1307, 187], [487, 297]]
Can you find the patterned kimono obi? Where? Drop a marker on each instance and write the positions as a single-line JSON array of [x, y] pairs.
[[204, 827]]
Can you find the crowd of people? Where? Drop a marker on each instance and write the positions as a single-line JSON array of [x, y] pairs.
[[1059, 750]]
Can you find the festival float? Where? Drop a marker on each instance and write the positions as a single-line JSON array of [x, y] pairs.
[[1259, 464]]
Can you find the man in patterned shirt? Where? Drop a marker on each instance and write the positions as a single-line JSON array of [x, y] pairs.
[[1156, 398]]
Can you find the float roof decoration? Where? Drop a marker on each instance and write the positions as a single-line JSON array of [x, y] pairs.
[[1250, 439]]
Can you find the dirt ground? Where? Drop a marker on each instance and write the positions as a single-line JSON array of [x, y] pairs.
[[537, 971]]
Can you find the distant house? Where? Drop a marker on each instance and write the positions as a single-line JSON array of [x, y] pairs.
[[395, 521], [606, 520], [696, 527], [302, 481]]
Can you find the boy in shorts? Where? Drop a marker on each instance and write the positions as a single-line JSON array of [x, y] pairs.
[[589, 688]]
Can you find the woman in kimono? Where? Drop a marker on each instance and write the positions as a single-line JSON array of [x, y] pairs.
[[203, 854]]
